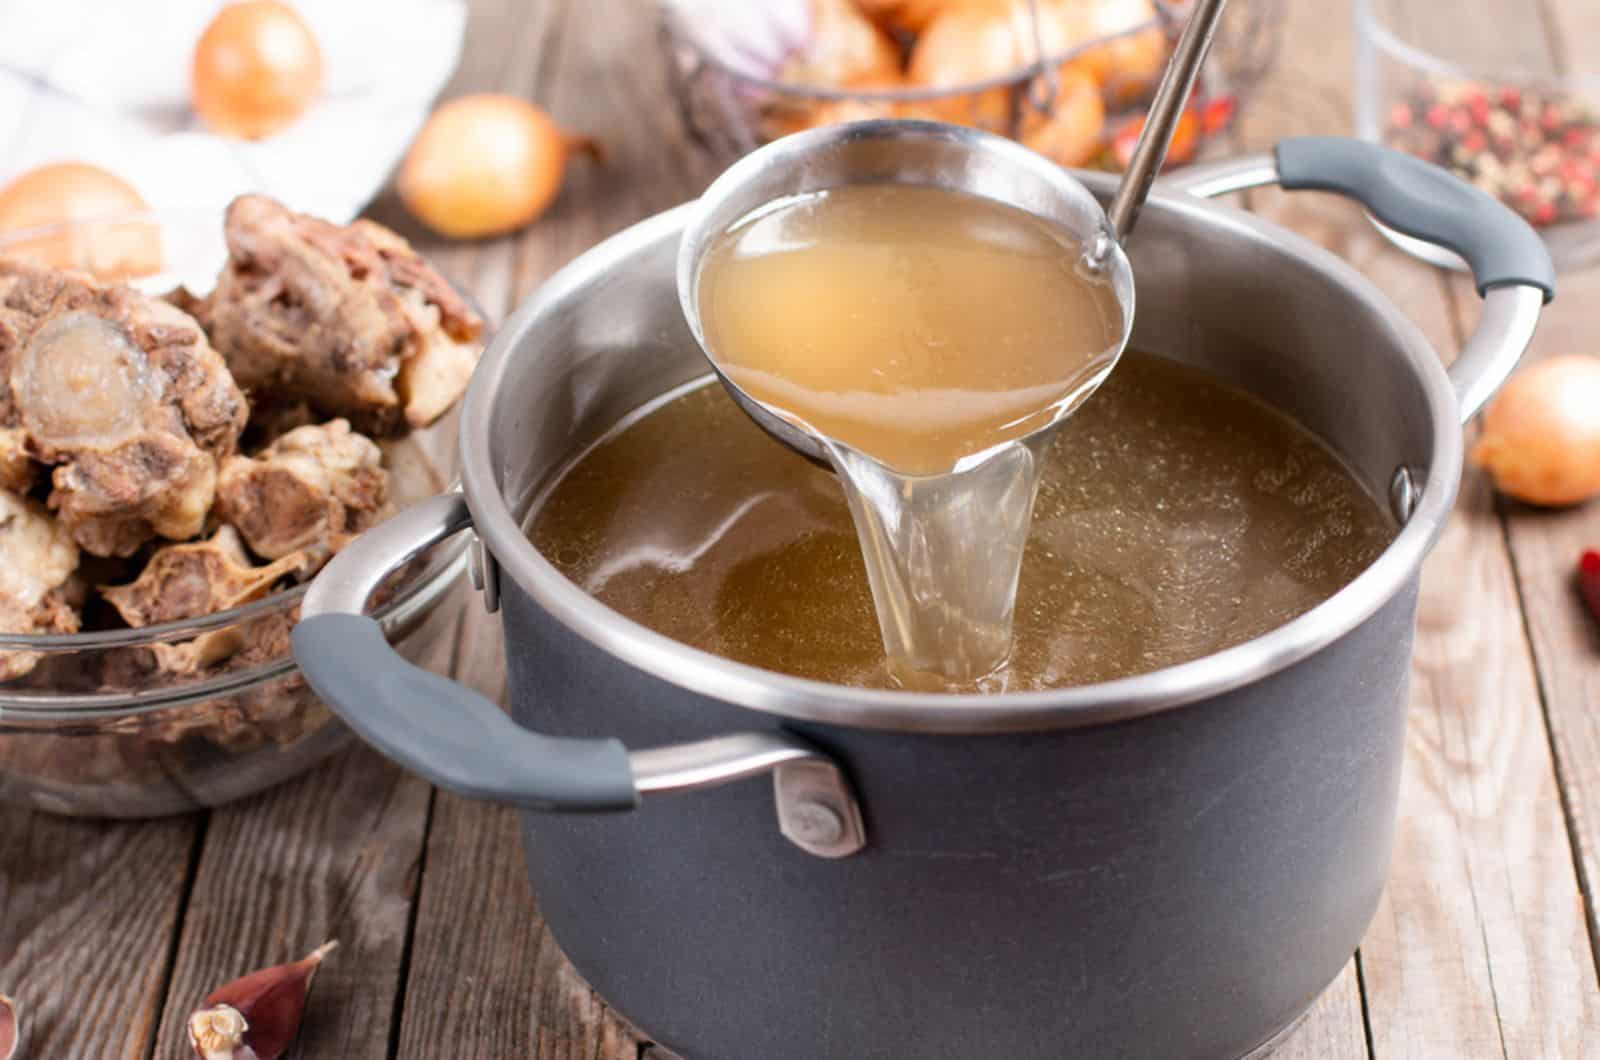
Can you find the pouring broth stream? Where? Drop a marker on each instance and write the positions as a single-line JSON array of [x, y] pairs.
[[928, 337]]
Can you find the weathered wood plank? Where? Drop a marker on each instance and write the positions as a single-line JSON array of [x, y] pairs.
[[336, 854], [331, 855], [1333, 1029], [86, 939], [487, 980], [1472, 951], [100, 903], [1545, 546], [494, 983], [1480, 945]]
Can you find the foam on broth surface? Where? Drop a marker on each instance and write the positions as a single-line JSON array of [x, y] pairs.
[[1177, 516]]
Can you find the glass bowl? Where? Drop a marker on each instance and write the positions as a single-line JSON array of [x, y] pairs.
[[732, 102], [94, 723], [1492, 104]]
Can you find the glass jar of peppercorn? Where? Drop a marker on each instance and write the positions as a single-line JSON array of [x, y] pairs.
[[1507, 100]]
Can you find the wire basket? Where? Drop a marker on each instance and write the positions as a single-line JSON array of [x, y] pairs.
[[1082, 105]]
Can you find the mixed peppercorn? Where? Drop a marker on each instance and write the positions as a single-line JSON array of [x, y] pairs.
[[1539, 153]]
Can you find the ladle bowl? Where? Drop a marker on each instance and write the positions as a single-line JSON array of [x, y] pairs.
[[921, 153]]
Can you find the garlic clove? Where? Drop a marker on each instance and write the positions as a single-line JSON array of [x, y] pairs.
[[256, 1017], [217, 1033], [10, 1028]]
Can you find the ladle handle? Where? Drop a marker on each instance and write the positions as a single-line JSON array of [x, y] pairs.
[[464, 742], [1510, 264], [1172, 95]]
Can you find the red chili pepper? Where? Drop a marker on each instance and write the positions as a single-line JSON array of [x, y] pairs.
[[1545, 214], [1510, 98], [1219, 112], [1437, 116], [1180, 149], [1589, 580], [1479, 108]]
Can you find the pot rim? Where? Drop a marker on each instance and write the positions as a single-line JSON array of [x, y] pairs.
[[803, 699]]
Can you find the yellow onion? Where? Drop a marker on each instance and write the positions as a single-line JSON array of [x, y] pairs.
[[1127, 66], [1541, 435], [486, 164], [844, 48], [967, 44], [1070, 135], [84, 201], [255, 70]]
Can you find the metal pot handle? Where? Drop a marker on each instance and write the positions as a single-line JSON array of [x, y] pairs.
[[1509, 262], [461, 741]]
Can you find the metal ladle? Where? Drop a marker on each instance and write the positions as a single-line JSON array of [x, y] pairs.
[[947, 156]]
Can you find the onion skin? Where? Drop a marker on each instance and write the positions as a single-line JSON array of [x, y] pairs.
[[485, 165], [1541, 434], [75, 193], [256, 69]]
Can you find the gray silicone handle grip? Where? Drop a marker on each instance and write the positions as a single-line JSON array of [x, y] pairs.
[[1425, 201], [447, 732]]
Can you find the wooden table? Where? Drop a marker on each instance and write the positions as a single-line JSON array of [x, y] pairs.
[[1486, 941]]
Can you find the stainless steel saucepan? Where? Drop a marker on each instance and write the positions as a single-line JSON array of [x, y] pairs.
[[1173, 864]]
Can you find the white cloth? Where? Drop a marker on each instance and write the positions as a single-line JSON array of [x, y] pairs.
[[107, 82]]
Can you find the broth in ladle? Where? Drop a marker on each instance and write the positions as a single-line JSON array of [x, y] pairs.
[[915, 325], [926, 335], [1177, 516]]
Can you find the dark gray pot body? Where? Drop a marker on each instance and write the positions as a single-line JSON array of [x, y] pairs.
[[1170, 865], [1180, 885]]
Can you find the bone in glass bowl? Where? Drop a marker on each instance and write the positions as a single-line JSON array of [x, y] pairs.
[[93, 726]]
